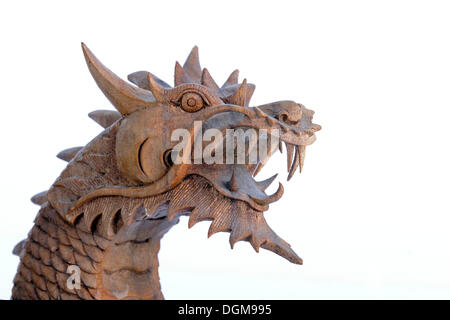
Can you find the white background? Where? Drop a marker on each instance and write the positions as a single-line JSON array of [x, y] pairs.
[[370, 213]]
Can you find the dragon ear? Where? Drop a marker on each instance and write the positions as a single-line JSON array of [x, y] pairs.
[[124, 97]]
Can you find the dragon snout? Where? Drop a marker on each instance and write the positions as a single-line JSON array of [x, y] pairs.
[[288, 112]]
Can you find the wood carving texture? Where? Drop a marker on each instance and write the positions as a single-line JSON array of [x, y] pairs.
[[109, 208]]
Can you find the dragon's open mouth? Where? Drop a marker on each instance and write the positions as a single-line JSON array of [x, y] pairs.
[[294, 129]]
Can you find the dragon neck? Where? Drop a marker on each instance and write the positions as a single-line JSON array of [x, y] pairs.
[[119, 266], [129, 269]]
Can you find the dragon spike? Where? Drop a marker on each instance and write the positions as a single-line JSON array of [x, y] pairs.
[[124, 97], [240, 96], [68, 154], [233, 184], [192, 65], [263, 185], [140, 79], [282, 248], [39, 198], [157, 90], [19, 249], [181, 76], [232, 79], [198, 214], [105, 118], [208, 81]]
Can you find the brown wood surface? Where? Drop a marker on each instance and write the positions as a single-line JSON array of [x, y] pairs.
[[119, 194]]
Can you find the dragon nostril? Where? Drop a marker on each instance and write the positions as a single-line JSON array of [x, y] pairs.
[[167, 158], [284, 118], [290, 118]]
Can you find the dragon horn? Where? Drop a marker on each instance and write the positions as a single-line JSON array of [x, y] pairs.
[[124, 97]]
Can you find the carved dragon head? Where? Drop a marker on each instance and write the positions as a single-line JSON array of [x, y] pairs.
[[133, 170]]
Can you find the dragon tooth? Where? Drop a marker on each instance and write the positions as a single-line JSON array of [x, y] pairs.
[[294, 163], [263, 162], [301, 151], [290, 153]]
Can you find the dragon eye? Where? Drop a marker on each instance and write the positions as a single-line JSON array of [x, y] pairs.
[[192, 102]]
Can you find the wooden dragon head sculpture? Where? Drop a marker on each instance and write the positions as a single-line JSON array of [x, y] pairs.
[[131, 183]]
